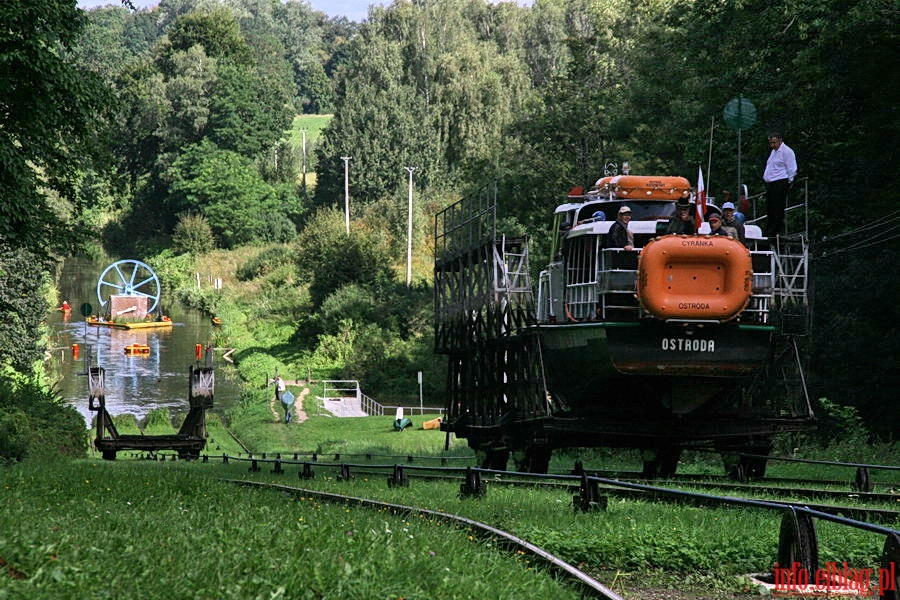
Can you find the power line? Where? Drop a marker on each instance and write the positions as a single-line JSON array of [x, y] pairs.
[[884, 219], [874, 241]]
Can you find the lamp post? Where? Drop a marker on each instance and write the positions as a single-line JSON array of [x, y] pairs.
[[409, 228], [346, 160]]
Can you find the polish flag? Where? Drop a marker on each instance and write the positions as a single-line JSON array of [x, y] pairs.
[[700, 199]]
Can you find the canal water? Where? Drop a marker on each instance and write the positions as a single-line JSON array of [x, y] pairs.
[[135, 383]]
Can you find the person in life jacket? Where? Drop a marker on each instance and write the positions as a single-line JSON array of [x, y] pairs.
[[65, 305]]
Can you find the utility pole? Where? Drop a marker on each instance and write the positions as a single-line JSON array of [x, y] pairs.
[[421, 402], [409, 229], [346, 160], [303, 133]]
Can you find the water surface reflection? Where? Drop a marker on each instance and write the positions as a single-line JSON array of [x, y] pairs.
[[135, 383]]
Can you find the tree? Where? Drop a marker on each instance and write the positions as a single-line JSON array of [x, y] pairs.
[[23, 274], [48, 113], [248, 112], [216, 30], [331, 259], [300, 31], [429, 84], [251, 103], [223, 186]]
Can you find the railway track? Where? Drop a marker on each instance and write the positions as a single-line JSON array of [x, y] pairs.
[[516, 544], [710, 478], [797, 538], [619, 488], [849, 503]]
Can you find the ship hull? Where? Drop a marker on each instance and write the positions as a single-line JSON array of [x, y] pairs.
[[651, 369]]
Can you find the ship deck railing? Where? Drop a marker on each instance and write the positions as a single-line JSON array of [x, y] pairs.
[[607, 292]]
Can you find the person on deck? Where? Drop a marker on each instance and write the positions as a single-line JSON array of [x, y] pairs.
[[731, 224], [781, 168], [619, 236], [715, 225], [681, 222]]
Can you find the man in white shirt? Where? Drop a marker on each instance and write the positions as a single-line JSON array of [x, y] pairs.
[[781, 168]]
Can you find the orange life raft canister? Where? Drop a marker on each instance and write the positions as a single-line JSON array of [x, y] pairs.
[[640, 187], [694, 277]]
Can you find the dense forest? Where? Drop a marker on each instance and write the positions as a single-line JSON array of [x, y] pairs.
[[164, 133]]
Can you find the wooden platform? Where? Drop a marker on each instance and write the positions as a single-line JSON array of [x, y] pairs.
[[143, 325], [134, 325]]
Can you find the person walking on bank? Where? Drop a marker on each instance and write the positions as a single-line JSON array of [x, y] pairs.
[[279, 387], [781, 168]]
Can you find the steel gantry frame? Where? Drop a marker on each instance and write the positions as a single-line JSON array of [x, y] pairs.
[[484, 316]]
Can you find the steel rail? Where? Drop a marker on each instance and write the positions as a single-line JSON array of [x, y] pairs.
[[590, 584], [616, 485], [834, 494], [854, 512], [710, 478], [613, 486], [811, 461], [784, 491]]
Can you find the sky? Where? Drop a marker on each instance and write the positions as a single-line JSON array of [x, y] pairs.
[[355, 10]]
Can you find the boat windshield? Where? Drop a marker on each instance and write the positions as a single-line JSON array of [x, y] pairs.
[[641, 210]]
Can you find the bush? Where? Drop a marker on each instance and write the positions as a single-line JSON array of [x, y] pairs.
[[332, 259], [158, 418], [267, 261], [14, 435], [35, 421], [350, 302], [22, 308], [840, 424], [174, 272], [277, 228], [193, 235]]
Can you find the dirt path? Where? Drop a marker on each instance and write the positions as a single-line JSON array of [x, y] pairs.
[[299, 414]]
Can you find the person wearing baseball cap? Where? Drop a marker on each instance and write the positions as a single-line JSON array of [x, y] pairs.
[[715, 225], [619, 236], [731, 224]]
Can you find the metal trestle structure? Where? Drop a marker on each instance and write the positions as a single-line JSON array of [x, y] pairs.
[[484, 307], [188, 442]]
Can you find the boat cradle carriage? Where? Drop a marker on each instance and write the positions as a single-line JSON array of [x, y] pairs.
[[684, 342]]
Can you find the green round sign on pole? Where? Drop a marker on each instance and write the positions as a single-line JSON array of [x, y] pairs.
[[739, 113], [86, 309]]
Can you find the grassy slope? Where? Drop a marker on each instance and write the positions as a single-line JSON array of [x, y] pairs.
[[313, 124], [95, 529], [640, 546]]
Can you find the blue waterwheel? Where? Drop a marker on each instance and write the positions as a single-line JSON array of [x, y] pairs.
[[129, 278]]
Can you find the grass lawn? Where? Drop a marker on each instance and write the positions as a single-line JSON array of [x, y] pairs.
[[642, 549], [313, 124], [91, 529]]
